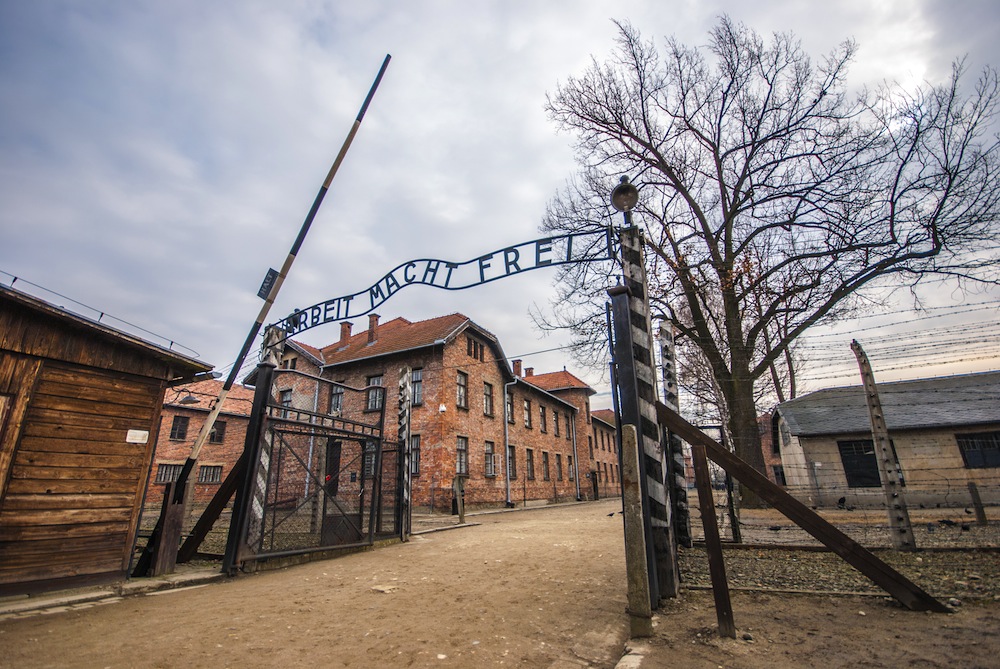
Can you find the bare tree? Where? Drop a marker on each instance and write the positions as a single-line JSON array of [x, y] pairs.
[[771, 198]]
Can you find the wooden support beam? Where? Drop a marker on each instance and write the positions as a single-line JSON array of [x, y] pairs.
[[887, 578], [212, 512], [716, 563], [637, 575]]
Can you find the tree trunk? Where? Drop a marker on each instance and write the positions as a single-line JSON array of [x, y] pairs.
[[746, 438]]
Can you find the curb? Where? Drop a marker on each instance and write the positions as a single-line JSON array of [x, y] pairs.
[[55, 602]]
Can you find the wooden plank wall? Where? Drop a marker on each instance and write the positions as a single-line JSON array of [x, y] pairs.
[[74, 486]]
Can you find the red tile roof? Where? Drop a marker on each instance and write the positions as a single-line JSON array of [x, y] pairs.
[[561, 380], [309, 350], [239, 400], [607, 415], [400, 335]]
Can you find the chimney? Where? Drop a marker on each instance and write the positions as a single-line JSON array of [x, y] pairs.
[[372, 328], [529, 371], [517, 368], [345, 331]]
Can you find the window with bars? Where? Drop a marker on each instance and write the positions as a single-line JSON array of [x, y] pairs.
[[462, 455], [529, 464], [487, 399], [336, 400], [415, 454], [489, 461], [979, 449], [511, 463], [179, 428], [462, 390], [559, 471], [375, 393], [210, 474], [545, 467], [417, 386], [168, 473]]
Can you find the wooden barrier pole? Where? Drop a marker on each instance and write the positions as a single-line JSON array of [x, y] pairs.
[[716, 563]]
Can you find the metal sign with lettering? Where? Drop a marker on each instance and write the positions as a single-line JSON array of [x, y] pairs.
[[517, 259]]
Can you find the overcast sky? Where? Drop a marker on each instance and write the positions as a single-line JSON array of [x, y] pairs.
[[157, 157]]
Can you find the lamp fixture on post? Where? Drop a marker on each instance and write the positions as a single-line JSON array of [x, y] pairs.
[[624, 197]]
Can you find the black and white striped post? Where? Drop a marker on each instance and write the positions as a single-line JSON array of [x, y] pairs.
[[634, 362]]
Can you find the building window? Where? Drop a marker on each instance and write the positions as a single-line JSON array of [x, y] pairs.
[[336, 400], [462, 456], [511, 463], [490, 464], [590, 445], [527, 414], [860, 464], [210, 474], [586, 405], [543, 424], [570, 472], [375, 393], [285, 400], [555, 422], [980, 449], [462, 391], [417, 387], [415, 454], [218, 433], [779, 475], [475, 349], [529, 464], [289, 363], [179, 428], [545, 467], [487, 399], [568, 428], [168, 473], [510, 408], [559, 467]]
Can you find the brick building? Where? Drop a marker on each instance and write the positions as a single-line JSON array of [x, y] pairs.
[[605, 454], [513, 438], [185, 409]]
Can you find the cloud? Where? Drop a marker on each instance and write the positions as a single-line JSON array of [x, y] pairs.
[[157, 158]]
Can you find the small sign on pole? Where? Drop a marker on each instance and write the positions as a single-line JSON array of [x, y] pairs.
[[265, 287]]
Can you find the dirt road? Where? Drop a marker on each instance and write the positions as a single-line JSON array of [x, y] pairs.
[[540, 588]]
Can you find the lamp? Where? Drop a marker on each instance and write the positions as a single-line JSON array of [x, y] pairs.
[[624, 196], [189, 399]]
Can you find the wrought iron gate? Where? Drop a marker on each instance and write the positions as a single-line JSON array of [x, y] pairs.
[[315, 482]]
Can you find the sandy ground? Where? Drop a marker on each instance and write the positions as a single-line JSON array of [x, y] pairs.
[[537, 588]]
